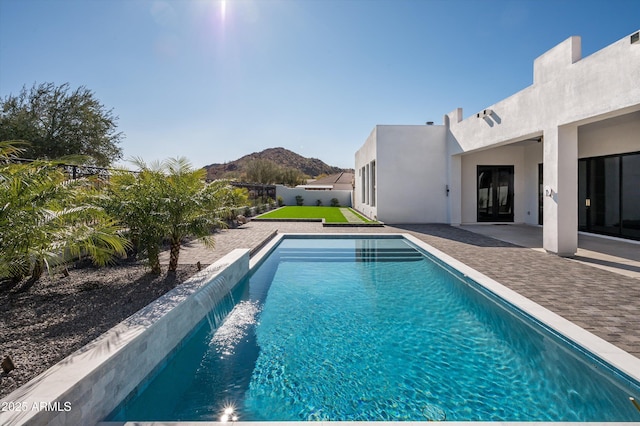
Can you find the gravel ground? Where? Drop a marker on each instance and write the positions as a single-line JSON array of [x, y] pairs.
[[59, 315]]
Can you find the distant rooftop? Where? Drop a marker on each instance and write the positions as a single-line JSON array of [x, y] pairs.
[[343, 180]]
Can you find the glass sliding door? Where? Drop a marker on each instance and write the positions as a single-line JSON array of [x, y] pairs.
[[605, 195], [609, 195], [630, 194], [495, 194], [584, 201]]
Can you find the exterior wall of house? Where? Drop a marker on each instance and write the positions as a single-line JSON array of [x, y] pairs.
[[365, 155], [532, 157], [568, 94], [409, 180], [576, 108], [613, 136], [412, 174], [565, 91]]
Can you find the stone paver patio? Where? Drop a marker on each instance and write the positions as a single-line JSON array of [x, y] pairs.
[[602, 302]]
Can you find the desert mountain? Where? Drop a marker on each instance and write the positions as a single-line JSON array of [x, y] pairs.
[[311, 167]]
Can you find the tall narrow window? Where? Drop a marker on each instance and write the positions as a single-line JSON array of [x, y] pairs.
[[368, 178], [373, 183], [363, 180]]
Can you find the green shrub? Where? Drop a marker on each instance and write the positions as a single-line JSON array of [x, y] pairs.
[[299, 200], [335, 202]]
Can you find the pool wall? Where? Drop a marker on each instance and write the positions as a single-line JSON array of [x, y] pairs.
[[86, 386]]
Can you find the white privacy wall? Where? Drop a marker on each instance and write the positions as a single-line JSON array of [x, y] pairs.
[[311, 196]]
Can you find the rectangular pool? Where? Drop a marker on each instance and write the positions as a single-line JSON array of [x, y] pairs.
[[373, 329]]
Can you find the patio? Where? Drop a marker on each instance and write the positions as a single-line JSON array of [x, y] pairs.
[[602, 301], [611, 254]]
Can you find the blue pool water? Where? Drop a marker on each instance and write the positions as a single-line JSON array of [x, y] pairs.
[[373, 329]]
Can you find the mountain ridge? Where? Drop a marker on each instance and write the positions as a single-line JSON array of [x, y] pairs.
[[283, 157]]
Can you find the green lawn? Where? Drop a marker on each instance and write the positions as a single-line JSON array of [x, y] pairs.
[[330, 214]]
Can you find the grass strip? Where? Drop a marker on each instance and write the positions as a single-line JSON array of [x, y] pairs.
[[362, 218], [329, 214]]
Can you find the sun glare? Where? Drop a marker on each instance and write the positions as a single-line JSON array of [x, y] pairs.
[[228, 414], [223, 9]]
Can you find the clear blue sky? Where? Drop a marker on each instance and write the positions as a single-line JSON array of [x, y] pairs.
[[213, 80]]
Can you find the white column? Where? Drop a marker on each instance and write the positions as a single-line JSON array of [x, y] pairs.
[[560, 181]]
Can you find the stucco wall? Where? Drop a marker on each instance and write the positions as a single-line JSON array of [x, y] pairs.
[[310, 197], [366, 154], [567, 90], [532, 157], [412, 174], [613, 136]]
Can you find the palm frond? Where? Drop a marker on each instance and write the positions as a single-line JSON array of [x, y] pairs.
[[11, 149]]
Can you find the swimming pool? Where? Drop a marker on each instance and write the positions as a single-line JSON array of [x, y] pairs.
[[376, 329]]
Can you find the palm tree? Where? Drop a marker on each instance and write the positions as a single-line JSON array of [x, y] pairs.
[[186, 204], [169, 201], [137, 200], [11, 149], [47, 221]]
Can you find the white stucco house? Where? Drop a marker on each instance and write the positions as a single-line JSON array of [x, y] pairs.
[[563, 153]]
